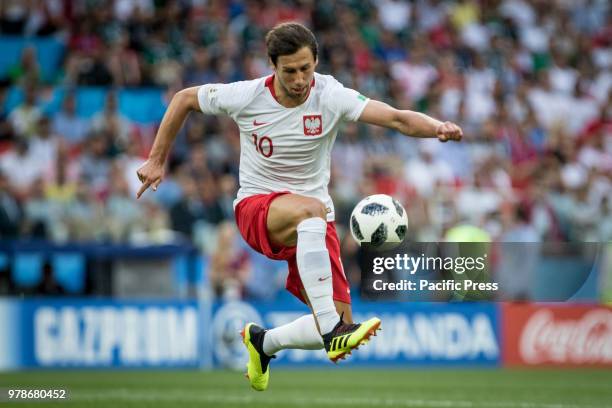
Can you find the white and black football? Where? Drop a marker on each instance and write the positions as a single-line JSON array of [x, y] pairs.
[[378, 220]]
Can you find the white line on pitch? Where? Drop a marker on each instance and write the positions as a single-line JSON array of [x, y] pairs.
[[126, 394]]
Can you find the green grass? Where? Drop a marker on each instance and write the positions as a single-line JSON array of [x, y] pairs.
[[336, 387]]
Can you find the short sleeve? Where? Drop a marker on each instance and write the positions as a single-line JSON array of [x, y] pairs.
[[347, 102], [215, 99]]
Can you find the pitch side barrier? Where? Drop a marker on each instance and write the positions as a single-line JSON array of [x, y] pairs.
[[413, 334], [99, 333], [104, 333], [201, 333], [557, 335], [143, 334]]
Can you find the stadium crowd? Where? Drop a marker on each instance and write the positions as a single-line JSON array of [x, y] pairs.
[[530, 81]]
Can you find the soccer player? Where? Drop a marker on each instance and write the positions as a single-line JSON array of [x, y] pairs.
[[288, 123]]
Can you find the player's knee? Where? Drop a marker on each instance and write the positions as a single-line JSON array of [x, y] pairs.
[[310, 209]]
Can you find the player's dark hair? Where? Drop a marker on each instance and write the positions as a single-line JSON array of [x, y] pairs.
[[288, 38]]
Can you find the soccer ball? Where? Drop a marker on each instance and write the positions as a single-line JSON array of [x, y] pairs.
[[380, 221]]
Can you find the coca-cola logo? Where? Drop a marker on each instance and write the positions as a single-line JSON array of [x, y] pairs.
[[585, 340]]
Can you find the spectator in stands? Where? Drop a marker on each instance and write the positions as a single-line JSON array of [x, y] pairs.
[[61, 183], [48, 285], [84, 216], [93, 70], [130, 10], [154, 227], [122, 212], [427, 171], [188, 210], [27, 71], [584, 108], [13, 17], [112, 123], [230, 265], [86, 64], [219, 149], [394, 14], [10, 210], [200, 71], [415, 74], [60, 190], [263, 270], [24, 118], [67, 124], [6, 129], [130, 160], [46, 18], [348, 174], [22, 167], [227, 194], [161, 56], [45, 144], [197, 162], [519, 255], [39, 213], [123, 62], [94, 163], [604, 227], [209, 196]]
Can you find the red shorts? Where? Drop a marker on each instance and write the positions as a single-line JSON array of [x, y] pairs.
[[251, 217]]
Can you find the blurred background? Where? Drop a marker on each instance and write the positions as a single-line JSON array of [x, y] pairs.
[[84, 85]]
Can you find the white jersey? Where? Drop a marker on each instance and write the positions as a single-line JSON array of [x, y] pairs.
[[284, 149]]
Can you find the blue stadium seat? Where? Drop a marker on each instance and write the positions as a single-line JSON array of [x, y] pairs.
[[69, 270], [143, 105], [27, 269]]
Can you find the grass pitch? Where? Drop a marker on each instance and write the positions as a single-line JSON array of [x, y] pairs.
[[337, 387]]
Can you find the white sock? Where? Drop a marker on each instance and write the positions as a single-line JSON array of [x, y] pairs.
[[301, 333], [314, 267]]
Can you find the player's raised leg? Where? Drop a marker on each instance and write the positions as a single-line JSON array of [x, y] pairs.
[[308, 216], [302, 333], [297, 220]]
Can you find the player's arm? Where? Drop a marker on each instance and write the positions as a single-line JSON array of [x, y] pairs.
[[409, 122], [151, 173]]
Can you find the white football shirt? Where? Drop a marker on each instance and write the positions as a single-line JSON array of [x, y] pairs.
[[284, 149]]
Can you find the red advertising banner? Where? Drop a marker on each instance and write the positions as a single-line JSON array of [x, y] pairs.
[[557, 335]]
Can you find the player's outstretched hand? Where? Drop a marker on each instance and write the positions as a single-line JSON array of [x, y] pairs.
[[150, 174], [449, 131]]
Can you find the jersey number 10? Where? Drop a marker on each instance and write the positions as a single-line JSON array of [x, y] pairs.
[[263, 145]]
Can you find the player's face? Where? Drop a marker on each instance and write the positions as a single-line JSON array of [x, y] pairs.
[[295, 72]]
